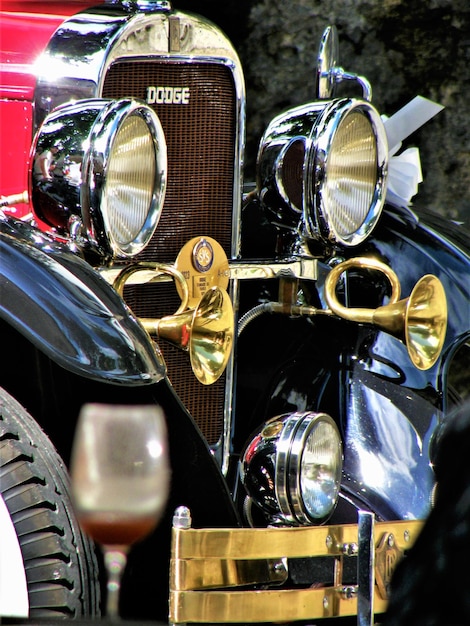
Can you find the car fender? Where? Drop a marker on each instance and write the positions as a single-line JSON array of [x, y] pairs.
[[69, 312]]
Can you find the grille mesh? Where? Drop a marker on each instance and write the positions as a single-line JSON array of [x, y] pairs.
[[200, 139]]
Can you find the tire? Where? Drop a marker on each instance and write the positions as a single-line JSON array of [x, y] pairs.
[[60, 563]]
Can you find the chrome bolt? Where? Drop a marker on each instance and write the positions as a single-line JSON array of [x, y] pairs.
[[182, 518], [350, 549], [348, 592]]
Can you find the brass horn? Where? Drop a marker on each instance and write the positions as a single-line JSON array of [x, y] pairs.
[[158, 268], [206, 331], [419, 320]]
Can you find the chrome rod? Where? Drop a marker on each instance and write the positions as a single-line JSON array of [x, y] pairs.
[[365, 569]]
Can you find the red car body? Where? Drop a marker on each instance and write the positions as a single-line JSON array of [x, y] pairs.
[[25, 30]]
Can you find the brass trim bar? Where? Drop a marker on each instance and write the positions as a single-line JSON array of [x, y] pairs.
[[197, 574], [223, 607], [304, 269], [258, 606], [269, 543]]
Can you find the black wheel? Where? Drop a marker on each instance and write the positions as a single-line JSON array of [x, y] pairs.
[[60, 563]]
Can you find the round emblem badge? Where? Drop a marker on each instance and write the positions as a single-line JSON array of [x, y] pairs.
[[203, 256]]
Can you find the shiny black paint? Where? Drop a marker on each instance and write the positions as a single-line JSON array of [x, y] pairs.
[[387, 410], [65, 309]]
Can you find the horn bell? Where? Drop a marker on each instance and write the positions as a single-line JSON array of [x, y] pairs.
[[420, 320], [206, 332]]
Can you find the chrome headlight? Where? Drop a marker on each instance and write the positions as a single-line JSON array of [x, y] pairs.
[[292, 468], [106, 176], [328, 166]]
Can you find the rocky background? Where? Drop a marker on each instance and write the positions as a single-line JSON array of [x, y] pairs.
[[404, 48]]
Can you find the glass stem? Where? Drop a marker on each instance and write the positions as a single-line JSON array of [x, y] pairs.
[[115, 559]]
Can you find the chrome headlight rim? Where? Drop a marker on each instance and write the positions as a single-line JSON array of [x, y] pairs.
[[319, 219], [97, 164], [96, 136], [291, 446]]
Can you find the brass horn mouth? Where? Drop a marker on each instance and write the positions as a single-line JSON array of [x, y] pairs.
[[212, 335], [426, 321], [420, 320], [206, 332]]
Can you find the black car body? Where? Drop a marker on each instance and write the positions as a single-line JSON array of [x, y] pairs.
[[72, 335]]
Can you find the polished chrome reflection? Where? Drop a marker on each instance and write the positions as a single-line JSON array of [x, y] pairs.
[[326, 164], [329, 74], [291, 468], [99, 174]]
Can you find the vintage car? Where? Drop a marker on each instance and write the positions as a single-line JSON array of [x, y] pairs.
[[306, 334]]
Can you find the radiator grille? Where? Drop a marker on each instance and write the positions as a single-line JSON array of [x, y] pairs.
[[201, 138]]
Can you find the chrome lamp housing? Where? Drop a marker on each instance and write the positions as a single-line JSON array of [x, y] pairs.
[[291, 468], [325, 167], [106, 178]]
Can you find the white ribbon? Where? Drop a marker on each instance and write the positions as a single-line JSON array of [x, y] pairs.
[[404, 170]]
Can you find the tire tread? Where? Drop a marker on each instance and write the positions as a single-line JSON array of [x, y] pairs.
[[60, 563]]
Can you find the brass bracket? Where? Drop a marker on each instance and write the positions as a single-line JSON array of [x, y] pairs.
[[387, 555]]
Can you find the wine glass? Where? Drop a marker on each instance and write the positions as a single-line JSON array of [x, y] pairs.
[[120, 481]]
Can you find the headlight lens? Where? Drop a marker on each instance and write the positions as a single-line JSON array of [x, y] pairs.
[[292, 468], [108, 180], [352, 175], [346, 174], [318, 470], [129, 182], [308, 467]]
